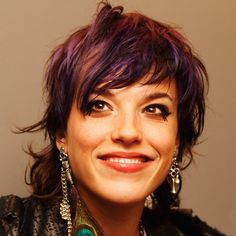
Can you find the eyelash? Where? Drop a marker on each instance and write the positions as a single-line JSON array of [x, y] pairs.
[[164, 111], [91, 106]]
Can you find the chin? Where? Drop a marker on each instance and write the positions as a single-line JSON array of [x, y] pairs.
[[123, 194], [124, 199]]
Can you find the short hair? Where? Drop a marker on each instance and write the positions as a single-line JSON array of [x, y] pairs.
[[115, 51]]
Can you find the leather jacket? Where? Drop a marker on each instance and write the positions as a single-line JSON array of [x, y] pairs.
[[31, 217]]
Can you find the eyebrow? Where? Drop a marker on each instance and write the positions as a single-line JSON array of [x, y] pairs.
[[152, 96], [157, 95]]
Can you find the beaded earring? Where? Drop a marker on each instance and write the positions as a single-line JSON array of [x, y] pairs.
[[174, 176]]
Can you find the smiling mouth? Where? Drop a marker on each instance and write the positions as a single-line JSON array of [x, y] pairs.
[[125, 162]]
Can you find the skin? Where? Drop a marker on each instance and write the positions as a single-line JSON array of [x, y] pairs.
[[125, 120]]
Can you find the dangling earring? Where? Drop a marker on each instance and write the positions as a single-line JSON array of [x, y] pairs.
[[174, 176], [66, 175], [150, 201]]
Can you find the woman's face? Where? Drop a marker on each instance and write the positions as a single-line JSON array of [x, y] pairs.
[[122, 149]]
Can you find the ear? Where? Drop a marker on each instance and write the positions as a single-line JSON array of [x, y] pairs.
[[61, 141], [177, 143]]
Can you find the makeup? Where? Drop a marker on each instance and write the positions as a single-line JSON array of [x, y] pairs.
[[126, 162]]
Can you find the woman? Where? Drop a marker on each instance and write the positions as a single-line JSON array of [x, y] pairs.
[[125, 106]]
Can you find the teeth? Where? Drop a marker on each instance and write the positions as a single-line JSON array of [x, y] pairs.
[[125, 161]]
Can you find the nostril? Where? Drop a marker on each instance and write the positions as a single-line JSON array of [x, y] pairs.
[[127, 136], [126, 128]]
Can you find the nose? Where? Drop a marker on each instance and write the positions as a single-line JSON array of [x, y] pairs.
[[126, 130]]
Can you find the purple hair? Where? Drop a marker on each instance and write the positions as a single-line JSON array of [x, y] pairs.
[[127, 45], [117, 50]]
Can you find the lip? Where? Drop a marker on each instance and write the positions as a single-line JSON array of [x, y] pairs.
[[126, 162]]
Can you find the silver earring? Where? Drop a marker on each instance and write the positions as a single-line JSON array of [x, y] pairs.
[[174, 176], [150, 201], [66, 175]]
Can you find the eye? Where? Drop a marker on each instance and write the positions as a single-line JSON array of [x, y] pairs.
[[157, 110], [97, 106]]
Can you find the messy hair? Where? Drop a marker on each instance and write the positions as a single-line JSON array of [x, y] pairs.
[[115, 51]]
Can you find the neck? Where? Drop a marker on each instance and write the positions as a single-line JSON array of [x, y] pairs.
[[115, 219]]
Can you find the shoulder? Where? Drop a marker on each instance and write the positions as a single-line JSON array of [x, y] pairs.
[[10, 203], [28, 216], [11, 210], [189, 224]]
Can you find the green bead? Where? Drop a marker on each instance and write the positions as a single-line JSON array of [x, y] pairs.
[[84, 232]]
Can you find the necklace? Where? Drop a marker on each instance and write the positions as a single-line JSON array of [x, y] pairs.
[[142, 231], [86, 225]]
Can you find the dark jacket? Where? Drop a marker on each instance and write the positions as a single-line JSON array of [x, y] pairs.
[[31, 217]]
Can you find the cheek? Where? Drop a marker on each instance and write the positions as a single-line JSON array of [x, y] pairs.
[[162, 138], [82, 140], [84, 137]]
